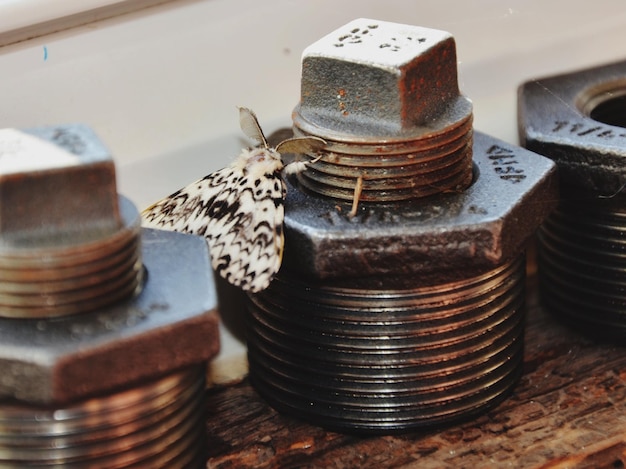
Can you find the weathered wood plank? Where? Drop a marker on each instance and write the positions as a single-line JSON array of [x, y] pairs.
[[568, 411]]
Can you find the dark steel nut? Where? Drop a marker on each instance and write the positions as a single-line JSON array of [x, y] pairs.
[[458, 233], [577, 120]]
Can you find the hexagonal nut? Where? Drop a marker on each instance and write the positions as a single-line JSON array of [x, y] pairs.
[[169, 325], [373, 78], [455, 234], [44, 172], [577, 120]]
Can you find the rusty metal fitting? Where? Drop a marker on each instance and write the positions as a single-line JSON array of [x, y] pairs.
[[116, 386], [410, 313], [577, 119], [386, 100]]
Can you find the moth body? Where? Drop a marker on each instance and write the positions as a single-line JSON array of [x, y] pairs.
[[239, 209]]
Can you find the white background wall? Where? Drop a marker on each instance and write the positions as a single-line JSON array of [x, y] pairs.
[[160, 85]]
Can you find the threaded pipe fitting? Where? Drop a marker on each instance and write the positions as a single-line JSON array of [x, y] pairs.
[[386, 100], [577, 119], [72, 245], [102, 366], [409, 313]]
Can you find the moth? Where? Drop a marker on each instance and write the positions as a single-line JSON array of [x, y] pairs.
[[239, 209]]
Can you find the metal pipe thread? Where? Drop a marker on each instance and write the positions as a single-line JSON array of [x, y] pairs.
[[59, 277], [582, 260], [156, 424], [393, 168], [388, 360]]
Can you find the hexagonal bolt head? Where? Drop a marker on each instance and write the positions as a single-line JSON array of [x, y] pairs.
[[375, 78], [55, 182], [456, 235], [171, 324], [559, 118]]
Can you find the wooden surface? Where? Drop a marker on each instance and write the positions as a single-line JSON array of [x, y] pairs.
[[567, 411]]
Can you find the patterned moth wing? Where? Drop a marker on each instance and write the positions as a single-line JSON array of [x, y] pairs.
[[238, 209]]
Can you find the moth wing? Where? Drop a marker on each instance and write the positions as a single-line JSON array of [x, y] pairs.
[[241, 222], [248, 251], [186, 210], [250, 126]]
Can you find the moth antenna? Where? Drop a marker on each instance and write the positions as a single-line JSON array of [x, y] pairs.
[[301, 145], [250, 126]]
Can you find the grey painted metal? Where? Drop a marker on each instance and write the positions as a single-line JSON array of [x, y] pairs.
[[165, 322]]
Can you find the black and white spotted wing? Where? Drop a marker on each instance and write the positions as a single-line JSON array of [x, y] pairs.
[[238, 209]]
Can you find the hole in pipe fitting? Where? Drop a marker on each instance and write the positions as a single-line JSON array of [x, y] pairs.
[[611, 111], [605, 103]]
